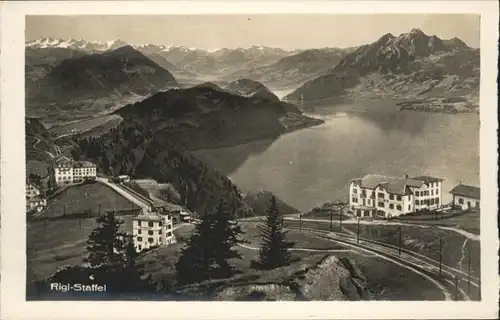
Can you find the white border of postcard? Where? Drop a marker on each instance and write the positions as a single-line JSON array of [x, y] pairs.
[[13, 263]]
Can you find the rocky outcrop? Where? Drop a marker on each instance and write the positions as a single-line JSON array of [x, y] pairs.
[[333, 279]]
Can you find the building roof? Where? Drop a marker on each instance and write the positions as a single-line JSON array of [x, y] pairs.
[[148, 217], [84, 164], [35, 199], [391, 184], [427, 179], [466, 191]]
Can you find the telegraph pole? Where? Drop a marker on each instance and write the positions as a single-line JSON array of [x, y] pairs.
[[440, 256], [340, 213], [358, 230], [400, 240], [331, 220], [300, 221], [468, 273], [456, 287]]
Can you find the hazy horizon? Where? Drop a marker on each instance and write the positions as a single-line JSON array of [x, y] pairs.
[[288, 32]]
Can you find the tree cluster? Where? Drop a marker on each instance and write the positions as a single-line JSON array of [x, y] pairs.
[[210, 248]]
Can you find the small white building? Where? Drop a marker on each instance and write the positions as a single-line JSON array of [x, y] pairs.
[[35, 204], [67, 171], [63, 171], [150, 230], [387, 197], [124, 178], [467, 197], [83, 170], [32, 190]]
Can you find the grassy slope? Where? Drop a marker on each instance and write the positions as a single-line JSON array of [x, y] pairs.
[[62, 242], [81, 198]]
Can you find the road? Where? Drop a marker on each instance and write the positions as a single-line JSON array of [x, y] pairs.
[[36, 148], [125, 193], [410, 259]]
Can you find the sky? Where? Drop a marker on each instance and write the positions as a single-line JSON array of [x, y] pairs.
[[232, 31]]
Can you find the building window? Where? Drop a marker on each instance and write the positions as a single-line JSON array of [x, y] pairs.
[[460, 201], [150, 232], [169, 234], [354, 199], [399, 198], [417, 202], [159, 231], [169, 226], [381, 204], [139, 247], [432, 192], [417, 193], [436, 201], [398, 207], [139, 231], [391, 197], [150, 223], [363, 193], [139, 238], [477, 204], [391, 206], [139, 223], [409, 207], [354, 190], [151, 240], [381, 195], [432, 201]]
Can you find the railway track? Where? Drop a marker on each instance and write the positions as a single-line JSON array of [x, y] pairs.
[[408, 258]]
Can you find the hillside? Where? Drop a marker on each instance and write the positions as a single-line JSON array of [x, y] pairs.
[[412, 65], [293, 69], [91, 83], [259, 201], [38, 140], [204, 117], [136, 151], [250, 88], [40, 61]]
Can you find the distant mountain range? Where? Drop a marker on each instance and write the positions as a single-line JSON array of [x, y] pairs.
[[189, 61], [411, 65], [293, 69]]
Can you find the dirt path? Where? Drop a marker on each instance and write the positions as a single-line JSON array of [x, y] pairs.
[[36, 148]]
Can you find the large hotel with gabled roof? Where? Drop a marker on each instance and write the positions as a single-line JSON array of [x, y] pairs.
[[386, 197]]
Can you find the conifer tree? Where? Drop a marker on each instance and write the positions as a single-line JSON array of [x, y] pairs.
[[196, 261], [106, 243], [226, 233], [132, 278], [275, 250]]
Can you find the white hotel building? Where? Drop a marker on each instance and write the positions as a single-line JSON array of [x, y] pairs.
[[67, 171], [381, 196], [150, 230]]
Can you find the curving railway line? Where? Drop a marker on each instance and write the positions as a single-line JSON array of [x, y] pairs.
[[453, 282]]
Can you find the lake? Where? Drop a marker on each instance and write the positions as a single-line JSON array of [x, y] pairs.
[[308, 167]]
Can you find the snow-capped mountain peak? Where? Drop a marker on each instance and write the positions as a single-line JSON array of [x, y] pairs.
[[77, 44]]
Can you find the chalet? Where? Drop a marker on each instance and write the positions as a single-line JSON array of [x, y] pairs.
[[35, 204], [387, 197], [465, 196], [32, 190], [151, 230], [67, 171]]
